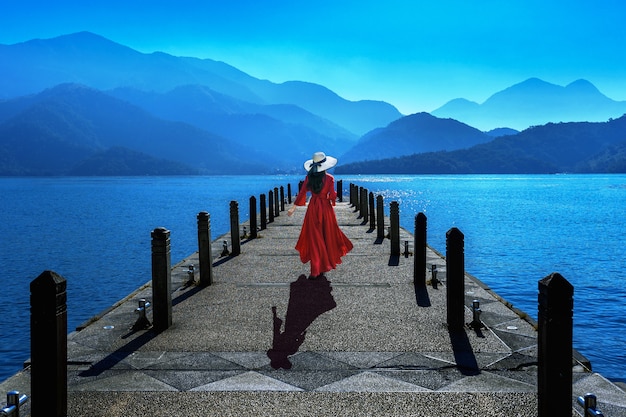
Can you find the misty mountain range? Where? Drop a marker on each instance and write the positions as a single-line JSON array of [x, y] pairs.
[[83, 105]]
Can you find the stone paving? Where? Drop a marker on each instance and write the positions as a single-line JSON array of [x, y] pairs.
[[265, 340]]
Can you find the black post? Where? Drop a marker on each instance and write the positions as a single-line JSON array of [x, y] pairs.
[[340, 190], [253, 221], [419, 266], [48, 345], [276, 203], [235, 240], [289, 193], [455, 278], [352, 194], [380, 218], [282, 198], [205, 256], [271, 206], [556, 304], [161, 280], [394, 224], [372, 211], [263, 212], [364, 205]]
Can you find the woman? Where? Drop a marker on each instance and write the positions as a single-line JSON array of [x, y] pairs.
[[321, 242]]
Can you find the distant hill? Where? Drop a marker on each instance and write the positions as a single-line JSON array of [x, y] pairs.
[[80, 103], [552, 148], [118, 161], [416, 133], [535, 102], [94, 61], [58, 130], [282, 134]]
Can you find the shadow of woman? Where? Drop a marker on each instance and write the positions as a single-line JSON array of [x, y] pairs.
[[308, 299]]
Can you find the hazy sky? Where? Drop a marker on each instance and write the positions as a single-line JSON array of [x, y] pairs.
[[414, 54]]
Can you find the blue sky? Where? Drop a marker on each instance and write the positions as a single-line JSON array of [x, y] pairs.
[[414, 54]]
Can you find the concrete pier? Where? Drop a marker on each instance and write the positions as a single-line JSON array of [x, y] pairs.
[[263, 340]]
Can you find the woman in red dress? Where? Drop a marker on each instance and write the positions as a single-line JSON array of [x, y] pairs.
[[321, 242]]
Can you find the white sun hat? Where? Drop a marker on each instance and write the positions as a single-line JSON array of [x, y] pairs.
[[324, 162]]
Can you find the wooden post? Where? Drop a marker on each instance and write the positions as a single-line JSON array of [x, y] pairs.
[[364, 205], [372, 211], [161, 280], [48, 344], [419, 266], [282, 198], [235, 240], [271, 206], [263, 212], [455, 278], [253, 220], [555, 337], [276, 203], [289, 193], [394, 224], [205, 256], [340, 190], [380, 218]]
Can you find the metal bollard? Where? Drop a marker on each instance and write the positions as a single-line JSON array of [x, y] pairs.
[[225, 251], [142, 322], [589, 404], [406, 252], [433, 272], [476, 323], [14, 402], [191, 274]]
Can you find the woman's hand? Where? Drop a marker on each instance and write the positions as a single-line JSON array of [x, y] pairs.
[[291, 211]]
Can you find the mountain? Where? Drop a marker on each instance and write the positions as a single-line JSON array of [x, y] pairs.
[[120, 161], [59, 129], [89, 59], [416, 133], [552, 148], [535, 102], [283, 134]]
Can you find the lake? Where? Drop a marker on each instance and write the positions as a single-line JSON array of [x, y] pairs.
[[518, 229]]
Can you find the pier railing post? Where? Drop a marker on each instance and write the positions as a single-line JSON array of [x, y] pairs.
[[353, 199], [380, 218], [276, 203], [455, 278], [48, 341], [555, 337], [340, 190], [161, 280], [235, 240], [263, 211], [253, 220], [271, 206], [289, 193], [282, 198], [351, 193], [419, 266], [363, 205], [372, 211], [394, 224], [205, 256]]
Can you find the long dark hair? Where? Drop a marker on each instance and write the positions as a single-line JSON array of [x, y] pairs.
[[316, 179]]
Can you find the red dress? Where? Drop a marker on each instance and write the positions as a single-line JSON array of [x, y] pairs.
[[321, 240]]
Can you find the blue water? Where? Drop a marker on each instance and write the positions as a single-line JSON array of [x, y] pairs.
[[95, 232]]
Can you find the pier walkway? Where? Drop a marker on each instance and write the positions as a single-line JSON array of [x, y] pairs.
[[361, 343]]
